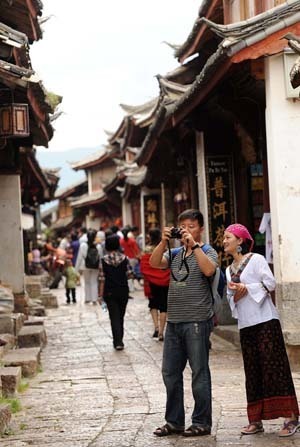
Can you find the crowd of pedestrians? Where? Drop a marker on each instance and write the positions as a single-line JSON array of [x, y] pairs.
[[178, 285]]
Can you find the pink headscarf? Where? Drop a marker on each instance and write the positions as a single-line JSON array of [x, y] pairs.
[[241, 231]]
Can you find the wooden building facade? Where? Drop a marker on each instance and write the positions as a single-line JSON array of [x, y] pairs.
[[25, 121]]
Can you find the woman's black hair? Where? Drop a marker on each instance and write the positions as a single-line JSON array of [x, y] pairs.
[[112, 242], [91, 235], [155, 236], [245, 246], [125, 232]]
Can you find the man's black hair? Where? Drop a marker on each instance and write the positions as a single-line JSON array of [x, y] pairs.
[[192, 214], [112, 242], [114, 229]]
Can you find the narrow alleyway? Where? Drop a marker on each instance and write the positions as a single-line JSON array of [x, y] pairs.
[[89, 395]]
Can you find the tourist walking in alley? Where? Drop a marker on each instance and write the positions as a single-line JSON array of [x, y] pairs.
[[72, 280], [132, 251], [269, 384], [190, 323], [87, 263], [156, 285], [114, 273]]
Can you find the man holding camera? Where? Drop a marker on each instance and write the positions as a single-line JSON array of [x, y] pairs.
[[190, 312]]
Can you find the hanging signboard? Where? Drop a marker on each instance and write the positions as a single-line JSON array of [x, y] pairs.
[[220, 198]]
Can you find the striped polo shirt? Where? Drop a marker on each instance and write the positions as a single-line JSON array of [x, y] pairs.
[[189, 300]]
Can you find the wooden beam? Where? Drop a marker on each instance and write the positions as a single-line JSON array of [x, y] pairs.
[[272, 44]]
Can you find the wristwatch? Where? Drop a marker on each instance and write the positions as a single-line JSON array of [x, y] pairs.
[[195, 246]]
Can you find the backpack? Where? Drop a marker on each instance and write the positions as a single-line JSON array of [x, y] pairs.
[[216, 284], [92, 258]]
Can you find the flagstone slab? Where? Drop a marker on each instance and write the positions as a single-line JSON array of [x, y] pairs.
[[31, 336], [5, 416], [27, 358], [11, 379]]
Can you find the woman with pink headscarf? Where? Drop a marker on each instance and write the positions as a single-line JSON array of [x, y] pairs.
[[269, 384]]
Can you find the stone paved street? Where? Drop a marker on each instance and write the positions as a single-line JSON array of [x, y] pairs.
[[89, 395]]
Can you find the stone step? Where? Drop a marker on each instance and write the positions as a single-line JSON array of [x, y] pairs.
[[49, 300], [10, 378], [34, 321], [33, 287], [37, 310], [31, 336], [5, 417], [27, 358], [6, 299], [10, 341], [11, 323], [18, 320], [6, 324]]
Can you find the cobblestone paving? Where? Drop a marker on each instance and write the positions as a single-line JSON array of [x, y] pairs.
[[89, 395]]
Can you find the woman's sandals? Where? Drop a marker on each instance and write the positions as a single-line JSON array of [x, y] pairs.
[[253, 428], [289, 429]]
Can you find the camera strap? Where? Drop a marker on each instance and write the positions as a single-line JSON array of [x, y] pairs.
[[181, 251]]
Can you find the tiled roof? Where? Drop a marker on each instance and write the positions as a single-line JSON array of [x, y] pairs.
[[89, 199]]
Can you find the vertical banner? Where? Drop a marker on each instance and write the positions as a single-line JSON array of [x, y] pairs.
[[151, 212], [220, 198]]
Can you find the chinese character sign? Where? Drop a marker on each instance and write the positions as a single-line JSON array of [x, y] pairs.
[[220, 200]]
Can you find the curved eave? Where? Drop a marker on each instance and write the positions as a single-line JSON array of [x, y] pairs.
[[69, 191], [63, 222], [92, 163], [89, 199], [189, 47], [152, 136], [140, 109], [114, 183], [119, 133]]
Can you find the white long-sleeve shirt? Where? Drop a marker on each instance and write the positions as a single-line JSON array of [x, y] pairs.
[[256, 306]]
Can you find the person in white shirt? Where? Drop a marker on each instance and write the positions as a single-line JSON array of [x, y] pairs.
[[90, 274], [269, 384]]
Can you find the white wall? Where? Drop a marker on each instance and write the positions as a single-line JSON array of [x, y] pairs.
[[126, 213], [201, 178], [283, 146], [11, 240]]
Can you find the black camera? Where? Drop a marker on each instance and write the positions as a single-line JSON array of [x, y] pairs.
[[175, 233]]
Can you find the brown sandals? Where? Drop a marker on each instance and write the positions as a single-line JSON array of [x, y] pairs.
[[196, 430], [168, 430]]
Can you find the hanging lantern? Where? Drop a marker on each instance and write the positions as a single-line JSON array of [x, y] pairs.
[[14, 120]]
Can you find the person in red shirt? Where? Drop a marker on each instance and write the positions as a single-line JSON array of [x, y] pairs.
[[132, 251], [156, 285]]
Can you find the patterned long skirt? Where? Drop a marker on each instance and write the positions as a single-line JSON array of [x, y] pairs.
[[269, 384]]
